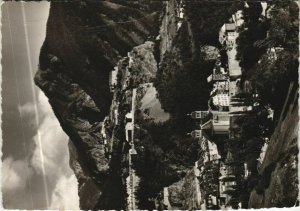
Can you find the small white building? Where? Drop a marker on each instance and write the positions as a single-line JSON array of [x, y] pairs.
[[264, 6], [130, 60], [113, 78], [181, 14], [180, 17], [238, 18], [166, 201], [216, 124], [228, 34], [198, 114], [179, 24], [196, 134], [116, 116], [262, 153], [129, 117], [129, 131]]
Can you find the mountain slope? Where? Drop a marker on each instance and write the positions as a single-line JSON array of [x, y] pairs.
[[84, 40]]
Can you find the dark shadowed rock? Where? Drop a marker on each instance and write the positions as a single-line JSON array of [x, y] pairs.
[[84, 40]]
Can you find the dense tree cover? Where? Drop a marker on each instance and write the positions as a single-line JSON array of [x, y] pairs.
[[181, 81], [270, 77], [182, 87], [207, 17], [255, 29], [161, 157], [269, 74], [248, 53], [250, 132]]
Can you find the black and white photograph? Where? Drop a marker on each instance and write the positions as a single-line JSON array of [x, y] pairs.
[[149, 104]]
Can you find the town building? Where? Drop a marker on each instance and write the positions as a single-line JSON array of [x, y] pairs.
[[113, 79], [228, 34], [166, 201], [196, 134], [129, 117], [226, 187], [129, 132], [211, 202], [227, 38], [226, 172], [180, 17], [227, 183], [219, 125], [212, 122], [239, 109], [199, 114], [239, 106], [231, 34], [130, 62], [264, 6], [221, 100], [238, 18], [219, 74]]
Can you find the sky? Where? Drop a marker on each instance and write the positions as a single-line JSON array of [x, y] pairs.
[[35, 159]]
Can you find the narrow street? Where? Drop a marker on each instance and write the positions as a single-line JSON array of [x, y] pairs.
[[132, 180]]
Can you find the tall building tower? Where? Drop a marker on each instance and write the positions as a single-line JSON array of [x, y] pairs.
[[198, 114]]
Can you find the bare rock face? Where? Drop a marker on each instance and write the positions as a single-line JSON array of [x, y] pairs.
[[84, 40], [88, 189], [144, 65], [184, 194], [176, 196]]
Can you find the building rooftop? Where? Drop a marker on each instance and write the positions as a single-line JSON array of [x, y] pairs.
[[230, 27]]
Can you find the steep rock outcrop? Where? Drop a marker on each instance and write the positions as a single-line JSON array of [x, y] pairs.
[[84, 40], [185, 194], [144, 67]]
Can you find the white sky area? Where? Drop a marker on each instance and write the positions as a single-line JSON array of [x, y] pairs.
[[35, 167]]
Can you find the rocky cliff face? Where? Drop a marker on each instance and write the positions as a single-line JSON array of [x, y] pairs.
[[84, 40]]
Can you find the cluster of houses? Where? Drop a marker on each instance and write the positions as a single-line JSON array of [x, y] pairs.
[[215, 124], [180, 14], [215, 170], [132, 180]]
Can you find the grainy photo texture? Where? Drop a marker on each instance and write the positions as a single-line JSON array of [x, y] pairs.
[[149, 104]]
